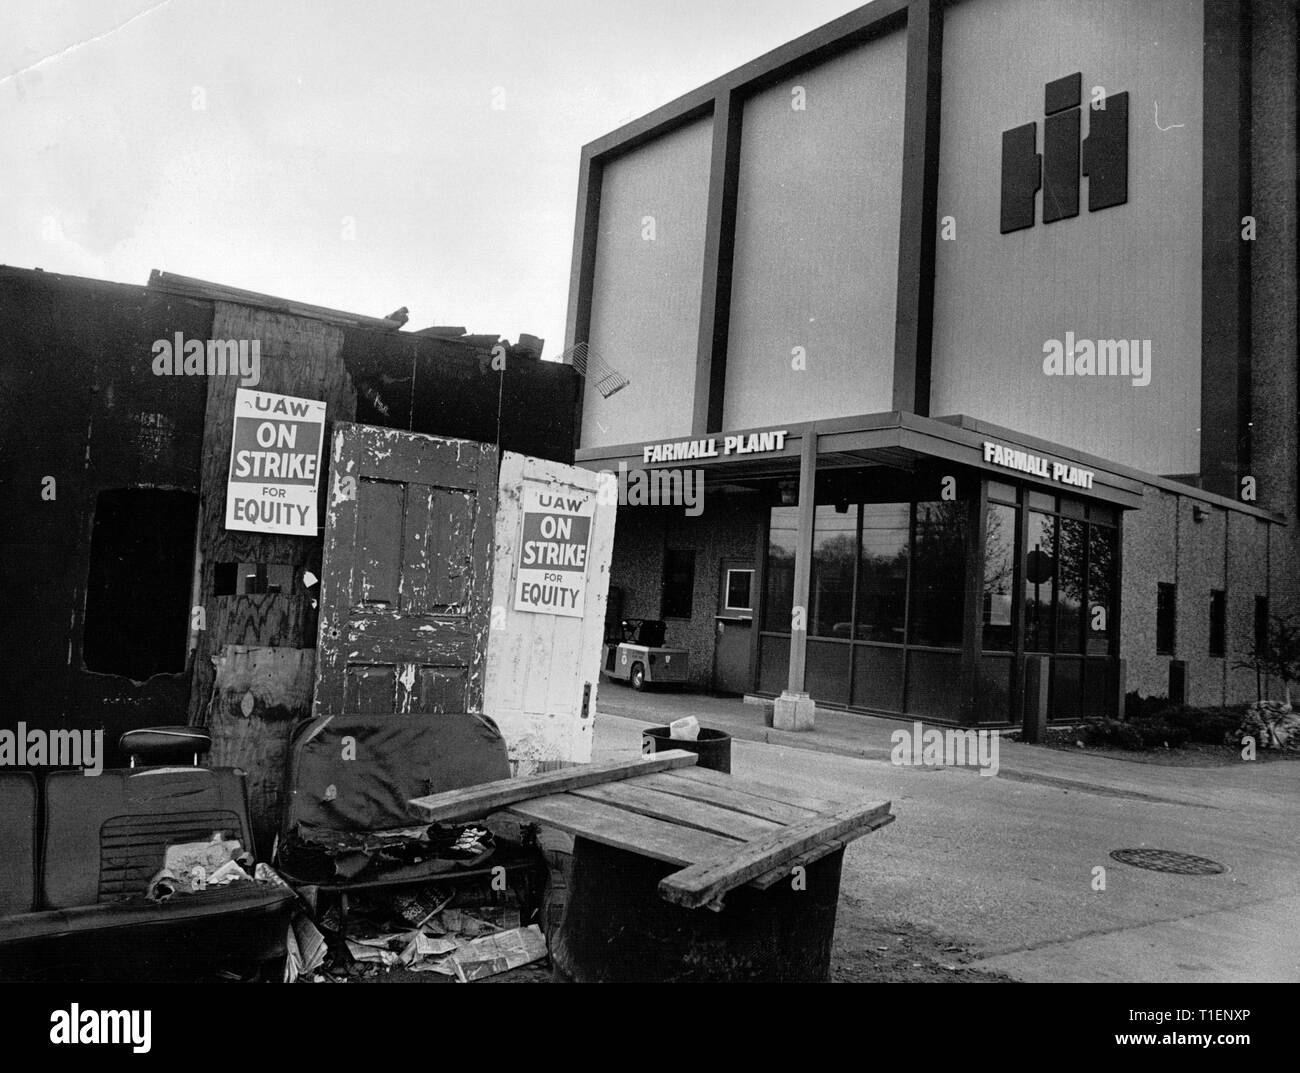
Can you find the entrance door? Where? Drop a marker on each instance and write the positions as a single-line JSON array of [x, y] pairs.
[[734, 627], [406, 586]]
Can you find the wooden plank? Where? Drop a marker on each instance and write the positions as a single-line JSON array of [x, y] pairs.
[[782, 871], [474, 801], [725, 797], [767, 790], [616, 827], [707, 881], [646, 801]]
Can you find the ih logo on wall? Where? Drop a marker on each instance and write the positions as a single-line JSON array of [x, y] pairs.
[[1103, 154]]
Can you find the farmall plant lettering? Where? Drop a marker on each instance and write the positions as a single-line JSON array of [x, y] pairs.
[[274, 463], [553, 548]]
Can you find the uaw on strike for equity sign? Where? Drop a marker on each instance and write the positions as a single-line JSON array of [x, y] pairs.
[[274, 463], [556, 535]]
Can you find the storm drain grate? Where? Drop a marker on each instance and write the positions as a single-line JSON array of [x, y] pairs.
[[1167, 860]]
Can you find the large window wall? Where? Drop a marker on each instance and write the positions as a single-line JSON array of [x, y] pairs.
[[1068, 599], [885, 604]]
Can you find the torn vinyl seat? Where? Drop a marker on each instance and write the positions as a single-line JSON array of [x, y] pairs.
[[100, 840], [349, 824]]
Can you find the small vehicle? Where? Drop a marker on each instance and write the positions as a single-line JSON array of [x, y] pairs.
[[641, 659]]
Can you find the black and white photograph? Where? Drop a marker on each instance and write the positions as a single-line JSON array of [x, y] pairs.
[[611, 491]]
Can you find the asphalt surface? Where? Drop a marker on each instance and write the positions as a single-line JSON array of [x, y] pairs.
[[1004, 866]]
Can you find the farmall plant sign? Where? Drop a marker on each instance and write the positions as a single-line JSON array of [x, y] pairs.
[[552, 576], [274, 463]]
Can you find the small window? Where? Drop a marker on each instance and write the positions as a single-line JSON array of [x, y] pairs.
[[138, 589], [1005, 493], [252, 579], [1218, 621], [739, 591], [1261, 623], [1166, 601], [679, 583]]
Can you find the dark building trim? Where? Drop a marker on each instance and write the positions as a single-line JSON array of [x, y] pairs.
[[583, 271], [723, 98], [719, 247], [914, 317], [1225, 256]]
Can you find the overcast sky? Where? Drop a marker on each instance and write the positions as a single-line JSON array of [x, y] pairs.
[[234, 140]]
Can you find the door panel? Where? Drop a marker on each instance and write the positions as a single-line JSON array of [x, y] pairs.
[[734, 627], [406, 585], [544, 668]]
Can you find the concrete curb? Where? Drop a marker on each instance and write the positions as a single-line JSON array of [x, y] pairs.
[[841, 747]]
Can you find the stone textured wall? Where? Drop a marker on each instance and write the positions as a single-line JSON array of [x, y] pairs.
[[727, 528], [1226, 550], [1149, 555]]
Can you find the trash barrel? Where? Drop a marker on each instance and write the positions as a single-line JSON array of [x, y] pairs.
[[713, 747], [617, 929]]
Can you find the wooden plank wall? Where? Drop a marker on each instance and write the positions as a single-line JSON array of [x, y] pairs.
[[298, 357]]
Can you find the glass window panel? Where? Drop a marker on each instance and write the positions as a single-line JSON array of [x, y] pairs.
[[1074, 508], [1070, 577], [1005, 492], [938, 575], [738, 590], [1040, 501], [1102, 562], [1040, 574], [882, 572], [999, 577], [780, 569], [835, 543]]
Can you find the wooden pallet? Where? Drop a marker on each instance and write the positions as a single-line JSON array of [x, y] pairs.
[[724, 831]]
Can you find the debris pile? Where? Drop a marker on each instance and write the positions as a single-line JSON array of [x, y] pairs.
[[416, 929]]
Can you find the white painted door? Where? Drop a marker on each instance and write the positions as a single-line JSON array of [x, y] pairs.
[[554, 540]]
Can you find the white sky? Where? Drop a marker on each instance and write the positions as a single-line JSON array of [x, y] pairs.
[[379, 110]]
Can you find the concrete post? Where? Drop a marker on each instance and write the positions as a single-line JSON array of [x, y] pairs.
[[1038, 677], [794, 708]]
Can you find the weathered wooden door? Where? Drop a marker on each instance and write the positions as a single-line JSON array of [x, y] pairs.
[[406, 585], [549, 621]]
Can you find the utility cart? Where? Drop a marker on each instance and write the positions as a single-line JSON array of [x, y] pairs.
[[641, 659]]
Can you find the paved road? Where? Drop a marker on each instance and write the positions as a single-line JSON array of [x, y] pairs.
[[1005, 865]]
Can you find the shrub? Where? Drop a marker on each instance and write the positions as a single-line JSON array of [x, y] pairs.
[[1205, 725]]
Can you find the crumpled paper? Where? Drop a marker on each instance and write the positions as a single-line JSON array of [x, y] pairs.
[[194, 866]]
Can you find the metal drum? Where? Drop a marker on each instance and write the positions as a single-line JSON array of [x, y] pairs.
[[617, 929]]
